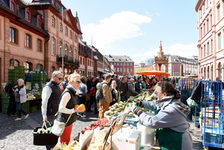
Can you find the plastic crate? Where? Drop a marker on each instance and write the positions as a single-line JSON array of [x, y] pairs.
[[4, 107], [26, 106], [33, 109]]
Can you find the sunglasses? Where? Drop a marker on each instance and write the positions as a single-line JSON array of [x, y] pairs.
[[60, 78], [78, 82]]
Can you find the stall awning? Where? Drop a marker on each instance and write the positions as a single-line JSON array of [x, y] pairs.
[[145, 73]]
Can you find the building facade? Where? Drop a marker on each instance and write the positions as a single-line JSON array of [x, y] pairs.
[[41, 35], [210, 38], [121, 65], [182, 66], [22, 37]]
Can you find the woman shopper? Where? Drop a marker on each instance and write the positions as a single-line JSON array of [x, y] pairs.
[[20, 98], [170, 119], [114, 92], [67, 104]]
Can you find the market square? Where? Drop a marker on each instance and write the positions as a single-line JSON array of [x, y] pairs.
[[111, 75]]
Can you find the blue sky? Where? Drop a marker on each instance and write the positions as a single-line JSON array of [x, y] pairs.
[[135, 27]]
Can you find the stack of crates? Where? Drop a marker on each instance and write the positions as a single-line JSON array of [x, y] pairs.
[[211, 115], [5, 102], [15, 73]]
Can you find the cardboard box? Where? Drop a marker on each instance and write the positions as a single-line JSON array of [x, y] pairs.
[[126, 138]]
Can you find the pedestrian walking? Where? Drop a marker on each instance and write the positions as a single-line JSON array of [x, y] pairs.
[[51, 94], [20, 98]]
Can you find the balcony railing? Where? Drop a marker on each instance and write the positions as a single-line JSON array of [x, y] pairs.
[[68, 60]]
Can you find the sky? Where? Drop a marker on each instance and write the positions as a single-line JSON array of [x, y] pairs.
[[136, 27]]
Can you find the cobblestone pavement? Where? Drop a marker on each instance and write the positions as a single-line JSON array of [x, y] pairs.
[[17, 135]]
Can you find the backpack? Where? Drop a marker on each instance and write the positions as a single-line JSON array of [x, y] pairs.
[[92, 91], [99, 91]]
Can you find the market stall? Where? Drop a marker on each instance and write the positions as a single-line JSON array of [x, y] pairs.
[[119, 130]]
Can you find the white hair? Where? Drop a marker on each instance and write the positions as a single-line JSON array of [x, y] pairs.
[[56, 73], [72, 77], [20, 80]]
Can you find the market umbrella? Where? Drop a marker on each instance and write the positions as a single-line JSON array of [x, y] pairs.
[[154, 72]]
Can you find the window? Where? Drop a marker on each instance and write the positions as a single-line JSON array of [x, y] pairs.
[[124, 64], [204, 32], [127, 69], [121, 64], [121, 69], [53, 22], [39, 45], [12, 6], [211, 21], [117, 64], [117, 69], [27, 15], [201, 31], [207, 25], [124, 70], [127, 64], [53, 46], [70, 52], [204, 50], [28, 41], [61, 28], [223, 7], [211, 46], [208, 48], [218, 12], [66, 31], [130, 69], [70, 35], [60, 49], [66, 50], [219, 41], [39, 67], [13, 35]]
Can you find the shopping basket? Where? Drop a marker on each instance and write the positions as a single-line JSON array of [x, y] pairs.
[[44, 138]]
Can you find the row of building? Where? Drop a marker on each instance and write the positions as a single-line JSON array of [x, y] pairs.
[[40, 34]]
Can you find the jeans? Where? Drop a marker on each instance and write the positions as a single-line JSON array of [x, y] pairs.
[[20, 109]]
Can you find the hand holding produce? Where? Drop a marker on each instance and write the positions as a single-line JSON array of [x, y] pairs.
[[139, 103], [136, 110], [80, 108]]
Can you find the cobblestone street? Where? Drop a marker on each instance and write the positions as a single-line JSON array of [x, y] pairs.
[[17, 135]]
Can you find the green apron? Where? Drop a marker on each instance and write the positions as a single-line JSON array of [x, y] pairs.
[[168, 138]]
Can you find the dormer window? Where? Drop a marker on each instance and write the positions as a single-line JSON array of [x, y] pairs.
[[39, 21], [27, 15], [12, 6]]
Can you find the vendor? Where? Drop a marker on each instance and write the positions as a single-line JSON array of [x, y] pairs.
[[170, 119]]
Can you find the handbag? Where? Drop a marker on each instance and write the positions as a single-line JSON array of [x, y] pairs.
[[59, 126], [40, 137]]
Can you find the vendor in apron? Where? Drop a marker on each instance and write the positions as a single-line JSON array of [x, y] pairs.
[[169, 120]]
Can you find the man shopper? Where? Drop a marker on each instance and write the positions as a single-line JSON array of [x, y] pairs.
[[50, 99], [104, 103]]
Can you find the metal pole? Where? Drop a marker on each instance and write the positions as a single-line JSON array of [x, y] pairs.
[[62, 52]]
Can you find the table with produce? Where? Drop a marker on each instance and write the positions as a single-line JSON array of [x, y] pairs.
[[119, 130]]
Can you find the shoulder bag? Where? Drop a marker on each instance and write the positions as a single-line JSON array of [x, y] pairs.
[[59, 126]]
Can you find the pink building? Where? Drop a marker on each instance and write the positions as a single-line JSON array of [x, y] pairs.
[[210, 38]]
